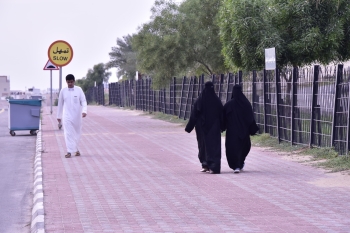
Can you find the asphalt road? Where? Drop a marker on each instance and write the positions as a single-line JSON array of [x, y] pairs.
[[16, 176]]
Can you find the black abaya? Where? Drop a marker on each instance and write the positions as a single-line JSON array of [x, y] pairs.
[[206, 118], [237, 117]]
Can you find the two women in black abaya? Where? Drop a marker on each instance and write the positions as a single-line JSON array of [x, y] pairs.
[[206, 118], [210, 118], [239, 123]]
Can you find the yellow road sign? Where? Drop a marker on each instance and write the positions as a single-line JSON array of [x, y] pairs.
[[60, 53]]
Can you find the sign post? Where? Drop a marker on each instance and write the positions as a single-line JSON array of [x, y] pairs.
[[60, 53], [51, 67]]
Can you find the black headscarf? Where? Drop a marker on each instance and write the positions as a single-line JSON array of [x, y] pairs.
[[209, 105], [241, 106]]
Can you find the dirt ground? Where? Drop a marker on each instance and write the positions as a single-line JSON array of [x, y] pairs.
[[331, 179]]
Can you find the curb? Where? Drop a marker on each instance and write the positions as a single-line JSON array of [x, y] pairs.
[[37, 225]]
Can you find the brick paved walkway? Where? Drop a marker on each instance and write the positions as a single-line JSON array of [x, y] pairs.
[[138, 174]]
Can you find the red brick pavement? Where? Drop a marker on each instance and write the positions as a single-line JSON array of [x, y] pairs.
[[138, 174]]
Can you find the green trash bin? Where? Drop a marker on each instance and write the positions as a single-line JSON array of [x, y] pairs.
[[24, 114]]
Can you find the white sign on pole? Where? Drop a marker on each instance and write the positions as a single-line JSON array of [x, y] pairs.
[[270, 59]]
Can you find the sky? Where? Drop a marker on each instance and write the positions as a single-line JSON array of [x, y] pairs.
[[91, 27]]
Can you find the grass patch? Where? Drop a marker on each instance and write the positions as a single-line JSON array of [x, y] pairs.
[[265, 140], [168, 118], [93, 103], [122, 108], [326, 158], [340, 163]]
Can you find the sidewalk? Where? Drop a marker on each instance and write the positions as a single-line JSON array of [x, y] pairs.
[[138, 174]]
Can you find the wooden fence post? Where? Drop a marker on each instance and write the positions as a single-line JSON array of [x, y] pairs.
[[348, 122], [202, 85], [164, 101], [118, 93], [139, 92], [220, 85], [141, 95], [121, 94], [188, 96], [150, 95], [147, 95], [125, 88], [336, 105], [144, 93], [314, 102], [254, 90], [125, 93], [161, 94], [182, 92], [240, 78], [128, 92], [293, 100], [109, 94], [229, 79], [174, 95], [278, 92], [127, 84], [192, 92], [199, 85], [135, 94], [154, 100], [113, 94], [264, 94], [131, 92]]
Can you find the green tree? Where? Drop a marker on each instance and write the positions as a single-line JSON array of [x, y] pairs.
[[123, 58], [98, 74], [243, 30], [180, 40], [198, 26], [302, 31], [158, 44]]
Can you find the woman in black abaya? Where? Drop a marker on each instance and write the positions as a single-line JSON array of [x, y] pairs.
[[237, 118], [206, 118]]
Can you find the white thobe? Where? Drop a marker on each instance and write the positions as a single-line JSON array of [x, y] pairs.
[[71, 104]]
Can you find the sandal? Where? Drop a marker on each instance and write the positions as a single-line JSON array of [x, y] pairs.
[[68, 155], [77, 153]]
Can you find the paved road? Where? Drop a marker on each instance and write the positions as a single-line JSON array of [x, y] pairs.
[[138, 174], [16, 177]]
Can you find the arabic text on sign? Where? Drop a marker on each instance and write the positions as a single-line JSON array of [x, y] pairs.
[[60, 51]]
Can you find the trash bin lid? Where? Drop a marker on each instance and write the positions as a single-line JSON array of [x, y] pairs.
[[25, 102]]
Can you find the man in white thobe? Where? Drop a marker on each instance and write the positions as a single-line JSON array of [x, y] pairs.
[[72, 105]]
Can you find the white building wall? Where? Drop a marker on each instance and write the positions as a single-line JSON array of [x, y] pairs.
[[4, 86]]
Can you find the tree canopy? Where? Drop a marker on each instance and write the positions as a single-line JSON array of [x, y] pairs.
[[180, 40], [216, 36], [123, 57], [302, 31], [97, 74]]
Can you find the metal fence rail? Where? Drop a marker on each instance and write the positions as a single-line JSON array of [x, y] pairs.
[[307, 106]]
